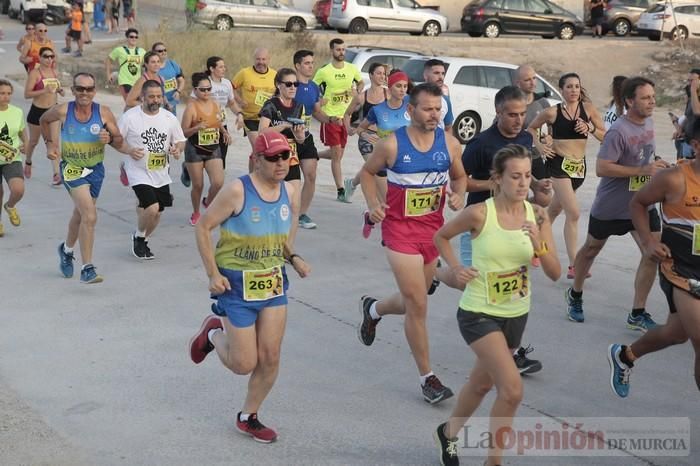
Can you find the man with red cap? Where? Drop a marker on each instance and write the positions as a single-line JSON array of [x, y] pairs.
[[257, 215]]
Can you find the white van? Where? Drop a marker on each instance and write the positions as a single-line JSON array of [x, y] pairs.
[[27, 11]]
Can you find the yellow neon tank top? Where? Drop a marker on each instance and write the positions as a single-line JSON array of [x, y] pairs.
[[502, 258]]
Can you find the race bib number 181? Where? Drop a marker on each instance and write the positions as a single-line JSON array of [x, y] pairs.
[[208, 136], [261, 285]]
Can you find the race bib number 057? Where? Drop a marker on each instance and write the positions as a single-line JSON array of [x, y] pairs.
[[72, 172], [508, 286], [261, 285], [422, 201]]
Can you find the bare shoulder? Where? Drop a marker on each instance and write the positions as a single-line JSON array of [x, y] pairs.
[[453, 143]]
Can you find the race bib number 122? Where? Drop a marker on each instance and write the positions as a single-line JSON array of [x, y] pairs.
[[507, 286]]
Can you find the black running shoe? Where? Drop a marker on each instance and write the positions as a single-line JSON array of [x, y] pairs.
[[434, 391], [447, 447], [138, 246], [368, 327], [149, 253], [526, 365], [435, 283]]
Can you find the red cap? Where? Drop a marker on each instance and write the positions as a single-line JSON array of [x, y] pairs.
[[271, 143], [396, 77]]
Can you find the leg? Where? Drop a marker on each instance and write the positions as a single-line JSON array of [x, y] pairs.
[[195, 170], [646, 275], [336, 167], [86, 214], [308, 168], [584, 260], [34, 135], [470, 397], [148, 218], [660, 337], [564, 194], [215, 172], [16, 186], [689, 313]]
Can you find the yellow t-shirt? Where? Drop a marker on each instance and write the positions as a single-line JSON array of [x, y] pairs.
[[11, 126], [337, 87], [255, 88]]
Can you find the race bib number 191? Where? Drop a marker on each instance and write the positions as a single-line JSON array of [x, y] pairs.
[[508, 286], [422, 201], [156, 160], [261, 285], [696, 239]]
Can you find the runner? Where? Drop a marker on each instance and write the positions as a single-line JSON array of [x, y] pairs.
[[386, 118], [434, 72], [625, 163], [85, 129], [28, 37], [74, 32], [253, 85], [417, 158], [339, 81], [571, 122], [43, 87], [357, 111], [678, 251], [283, 114], [257, 212], [130, 58], [309, 94], [203, 128], [617, 104], [13, 140], [171, 73], [158, 135], [506, 230], [150, 72], [29, 56]]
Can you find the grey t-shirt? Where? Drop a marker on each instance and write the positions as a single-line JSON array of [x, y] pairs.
[[535, 108], [630, 145]]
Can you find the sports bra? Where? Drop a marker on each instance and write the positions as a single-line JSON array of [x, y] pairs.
[[563, 128]]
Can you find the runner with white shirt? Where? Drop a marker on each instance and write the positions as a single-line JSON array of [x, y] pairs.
[[434, 72], [617, 104], [158, 133]]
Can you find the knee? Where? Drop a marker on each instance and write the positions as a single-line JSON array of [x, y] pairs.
[[88, 218], [241, 366], [216, 185], [416, 305], [512, 394], [197, 185], [269, 358], [309, 177], [481, 389], [591, 250], [152, 210], [573, 214]]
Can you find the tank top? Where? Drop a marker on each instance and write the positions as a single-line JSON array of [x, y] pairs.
[[502, 257], [416, 188], [254, 238], [362, 113], [681, 229], [206, 140], [80, 141], [43, 82], [33, 52], [563, 128]]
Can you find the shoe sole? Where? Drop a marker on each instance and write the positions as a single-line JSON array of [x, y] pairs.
[[191, 342], [308, 227], [362, 319], [97, 279], [611, 363], [531, 369], [438, 400], [248, 434], [637, 327]]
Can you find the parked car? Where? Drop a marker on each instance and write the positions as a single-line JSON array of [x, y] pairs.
[[27, 10], [4, 6], [360, 16], [322, 10], [473, 85], [621, 16], [659, 21], [225, 14], [363, 57], [491, 18]]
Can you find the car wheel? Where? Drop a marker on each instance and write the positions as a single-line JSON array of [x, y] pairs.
[[475, 34], [679, 33], [223, 23], [432, 29], [12, 14], [4, 6], [358, 26], [622, 27], [492, 30], [655, 36], [296, 25], [567, 32], [467, 125]]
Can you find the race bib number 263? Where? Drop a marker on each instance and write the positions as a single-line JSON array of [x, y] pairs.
[[261, 285]]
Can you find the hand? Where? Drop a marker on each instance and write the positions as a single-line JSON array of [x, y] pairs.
[[533, 231], [218, 284], [135, 153], [110, 78], [301, 267], [455, 201], [545, 150], [50, 90], [175, 151], [239, 121], [547, 139], [244, 103], [21, 149], [52, 152], [299, 132], [371, 137], [582, 127], [61, 91], [27, 170], [105, 136], [543, 186], [351, 130], [464, 275], [378, 212], [201, 125], [227, 137], [656, 250], [677, 134], [694, 85], [653, 167]]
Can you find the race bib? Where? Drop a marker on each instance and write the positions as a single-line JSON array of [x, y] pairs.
[[170, 84], [696, 239], [156, 160], [72, 172], [508, 286], [222, 115], [293, 153], [341, 98], [574, 168], [261, 285], [422, 201], [208, 136], [261, 97], [7, 152], [636, 182], [51, 83]]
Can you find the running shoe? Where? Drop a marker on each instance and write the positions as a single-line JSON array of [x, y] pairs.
[[642, 322], [367, 225], [65, 261], [342, 197], [524, 364], [12, 213], [255, 429], [56, 181], [204, 202], [138, 246], [185, 176], [194, 218], [619, 372], [574, 307], [89, 275], [435, 283], [149, 253], [200, 345], [349, 188], [122, 175], [306, 222], [368, 327], [78, 54], [65, 50], [434, 391], [571, 273], [446, 447]]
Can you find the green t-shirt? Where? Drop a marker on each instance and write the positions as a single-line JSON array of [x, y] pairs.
[[337, 85], [190, 5], [130, 61], [11, 126]]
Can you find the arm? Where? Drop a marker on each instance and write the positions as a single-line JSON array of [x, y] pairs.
[[133, 99], [472, 162], [110, 133], [694, 99], [355, 104], [265, 125], [470, 219], [658, 189], [189, 127], [543, 241], [596, 120], [546, 117], [319, 114], [614, 170], [458, 177], [24, 53], [108, 69], [55, 113], [299, 265], [383, 156], [359, 84], [29, 92], [449, 117]]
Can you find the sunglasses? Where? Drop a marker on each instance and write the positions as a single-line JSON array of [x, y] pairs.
[[48, 56], [133, 37], [84, 88], [204, 89], [42, 30], [161, 50], [276, 158], [290, 83], [29, 29]]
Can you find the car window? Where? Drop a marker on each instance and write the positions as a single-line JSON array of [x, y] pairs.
[[497, 78], [656, 8], [518, 5], [405, 3], [414, 70], [537, 6], [263, 2], [397, 62], [361, 2], [350, 55], [380, 3], [383, 59], [468, 75], [684, 9]]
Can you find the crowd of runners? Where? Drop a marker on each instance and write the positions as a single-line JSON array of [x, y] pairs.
[[507, 186]]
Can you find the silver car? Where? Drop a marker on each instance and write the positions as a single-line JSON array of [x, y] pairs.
[[360, 16], [225, 14]]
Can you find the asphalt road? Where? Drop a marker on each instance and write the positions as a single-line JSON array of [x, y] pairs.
[[100, 374]]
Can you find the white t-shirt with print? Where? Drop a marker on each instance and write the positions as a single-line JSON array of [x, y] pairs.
[[154, 134]]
